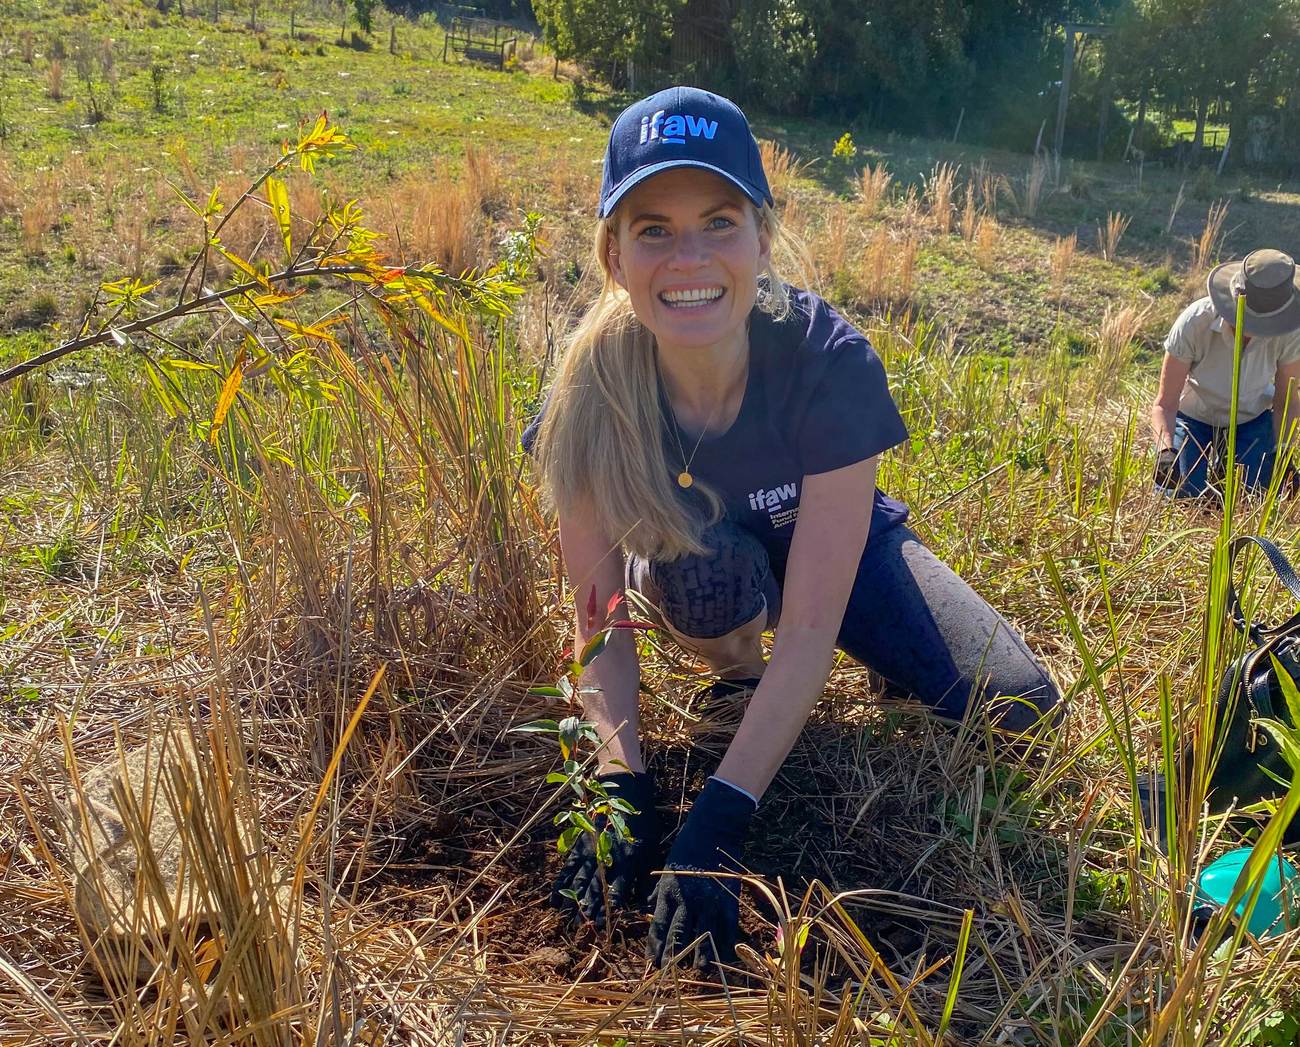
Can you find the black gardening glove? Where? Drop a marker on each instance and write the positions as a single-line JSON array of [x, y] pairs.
[[1167, 468], [631, 860], [686, 907]]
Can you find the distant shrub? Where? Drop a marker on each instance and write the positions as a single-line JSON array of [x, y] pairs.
[[1158, 281], [41, 310]]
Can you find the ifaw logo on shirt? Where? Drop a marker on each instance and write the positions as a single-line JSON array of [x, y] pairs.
[[776, 502]]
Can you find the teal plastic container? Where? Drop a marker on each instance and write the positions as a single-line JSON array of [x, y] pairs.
[[1278, 907]]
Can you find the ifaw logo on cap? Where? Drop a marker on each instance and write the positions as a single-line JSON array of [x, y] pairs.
[[676, 128]]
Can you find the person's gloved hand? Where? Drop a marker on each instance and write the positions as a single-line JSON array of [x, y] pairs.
[[1167, 468], [630, 860], [686, 907]]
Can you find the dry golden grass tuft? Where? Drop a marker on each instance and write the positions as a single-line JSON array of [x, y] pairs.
[[433, 220], [10, 193], [1206, 247], [54, 80], [938, 196], [1119, 330], [1062, 258], [969, 214], [987, 234], [834, 243], [905, 278], [484, 179], [782, 167], [1035, 181], [875, 266], [873, 187], [39, 213], [1111, 233]]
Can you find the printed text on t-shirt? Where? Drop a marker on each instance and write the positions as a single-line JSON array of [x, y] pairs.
[[776, 501]]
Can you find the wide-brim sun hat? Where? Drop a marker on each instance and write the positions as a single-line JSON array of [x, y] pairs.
[[1268, 280], [681, 127]]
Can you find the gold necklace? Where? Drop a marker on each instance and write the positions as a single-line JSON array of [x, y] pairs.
[[684, 478]]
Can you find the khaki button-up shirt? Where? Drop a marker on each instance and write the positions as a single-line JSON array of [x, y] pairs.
[[1203, 339]]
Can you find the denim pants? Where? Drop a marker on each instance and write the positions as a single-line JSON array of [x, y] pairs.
[[1199, 443], [909, 618]]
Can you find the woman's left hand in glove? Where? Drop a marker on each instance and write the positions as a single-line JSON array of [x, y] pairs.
[[690, 907]]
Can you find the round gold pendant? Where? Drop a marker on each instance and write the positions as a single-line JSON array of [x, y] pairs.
[[684, 479]]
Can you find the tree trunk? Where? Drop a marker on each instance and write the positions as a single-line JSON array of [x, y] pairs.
[[1238, 126], [1198, 138], [1139, 137]]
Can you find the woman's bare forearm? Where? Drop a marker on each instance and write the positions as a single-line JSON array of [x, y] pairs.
[[795, 679], [1163, 423], [609, 692]]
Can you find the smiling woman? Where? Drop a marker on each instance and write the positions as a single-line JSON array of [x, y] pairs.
[[711, 440]]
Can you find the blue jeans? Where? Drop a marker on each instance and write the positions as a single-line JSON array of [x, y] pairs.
[[909, 618], [1199, 444]]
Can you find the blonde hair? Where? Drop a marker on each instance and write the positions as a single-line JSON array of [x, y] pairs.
[[601, 440]]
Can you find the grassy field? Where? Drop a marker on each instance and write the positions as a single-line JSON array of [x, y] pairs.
[[302, 530]]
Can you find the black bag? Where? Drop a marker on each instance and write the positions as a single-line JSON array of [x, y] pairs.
[[1250, 691]]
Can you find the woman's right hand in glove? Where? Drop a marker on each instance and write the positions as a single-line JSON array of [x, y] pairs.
[[578, 890]]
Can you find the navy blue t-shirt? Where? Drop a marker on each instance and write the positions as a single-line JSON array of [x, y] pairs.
[[815, 400]]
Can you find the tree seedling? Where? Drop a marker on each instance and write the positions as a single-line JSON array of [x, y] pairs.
[[593, 810]]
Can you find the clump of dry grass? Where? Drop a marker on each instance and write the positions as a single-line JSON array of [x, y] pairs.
[[1110, 234], [906, 274], [433, 220], [875, 267], [987, 234], [1063, 252], [969, 214], [10, 193], [484, 179], [1034, 182], [913, 207], [873, 186], [938, 196], [1206, 248], [782, 167], [835, 241], [249, 229], [39, 213], [54, 80], [1120, 327]]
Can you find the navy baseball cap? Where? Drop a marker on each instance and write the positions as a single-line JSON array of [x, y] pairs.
[[681, 127]]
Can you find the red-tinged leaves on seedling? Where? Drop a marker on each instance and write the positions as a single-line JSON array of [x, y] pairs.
[[591, 609], [537, 727], [226, 399], [614, 601], [545, 692], [594, 646], [568, 838]]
